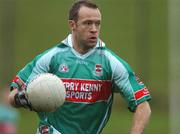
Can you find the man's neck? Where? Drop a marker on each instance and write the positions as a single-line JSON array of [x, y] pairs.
[[79, 47]]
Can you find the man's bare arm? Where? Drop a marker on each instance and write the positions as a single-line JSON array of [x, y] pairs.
[[141, 118]]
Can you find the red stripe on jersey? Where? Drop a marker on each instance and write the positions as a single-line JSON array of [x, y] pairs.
[[89, 91], [141, 93]]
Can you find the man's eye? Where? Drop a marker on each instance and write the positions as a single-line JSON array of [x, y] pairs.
[[97, 23], [88, 23]]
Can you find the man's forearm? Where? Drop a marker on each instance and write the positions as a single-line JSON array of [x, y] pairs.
[[141, 118]]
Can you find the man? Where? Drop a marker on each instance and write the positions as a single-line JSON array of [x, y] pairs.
[[91, 74]]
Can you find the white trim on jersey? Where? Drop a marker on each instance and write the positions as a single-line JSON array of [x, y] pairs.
[[105, 116], [83, 56], [120, 74]]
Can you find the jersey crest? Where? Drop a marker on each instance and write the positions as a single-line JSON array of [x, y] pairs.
[[98, 71], [63, 68]]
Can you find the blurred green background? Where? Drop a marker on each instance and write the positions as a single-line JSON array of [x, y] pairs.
[[137, 30]]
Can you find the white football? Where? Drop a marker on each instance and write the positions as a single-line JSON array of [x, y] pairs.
[[46, 92]]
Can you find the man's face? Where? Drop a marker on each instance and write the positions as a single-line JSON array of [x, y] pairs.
[[87, 27]]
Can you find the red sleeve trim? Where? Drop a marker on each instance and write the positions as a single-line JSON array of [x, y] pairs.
[[19, 81], [16, 79], [141, 93]]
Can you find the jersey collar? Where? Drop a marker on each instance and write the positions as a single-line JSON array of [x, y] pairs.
[[68, 41]]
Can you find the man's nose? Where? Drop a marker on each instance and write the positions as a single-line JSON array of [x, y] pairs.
[[94, 28]]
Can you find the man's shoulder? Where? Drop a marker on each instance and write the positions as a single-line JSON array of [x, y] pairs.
[[111, 54], [61, 45], [58, 47]]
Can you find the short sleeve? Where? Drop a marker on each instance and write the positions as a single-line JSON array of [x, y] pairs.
[[40, 64], [127, 83]]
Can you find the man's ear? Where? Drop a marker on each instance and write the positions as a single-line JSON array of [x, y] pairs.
[[72, 24]]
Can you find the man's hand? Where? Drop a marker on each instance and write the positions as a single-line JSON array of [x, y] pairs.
[[19, 99], [17, 96]]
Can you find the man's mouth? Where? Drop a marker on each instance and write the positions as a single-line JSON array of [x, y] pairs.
[[93, 39]]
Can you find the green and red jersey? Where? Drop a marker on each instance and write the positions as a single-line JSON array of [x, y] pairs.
[[90, 81]]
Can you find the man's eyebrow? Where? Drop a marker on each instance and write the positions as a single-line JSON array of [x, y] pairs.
[[92, 20]]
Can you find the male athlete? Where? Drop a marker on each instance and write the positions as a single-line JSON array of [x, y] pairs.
[[91, 74]]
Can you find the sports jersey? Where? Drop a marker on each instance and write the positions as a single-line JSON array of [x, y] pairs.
[[90, 80]]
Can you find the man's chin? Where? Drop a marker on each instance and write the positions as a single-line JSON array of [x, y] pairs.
[[92, 44]]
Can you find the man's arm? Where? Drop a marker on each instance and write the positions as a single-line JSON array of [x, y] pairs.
[[141, 118], [17, 97]]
